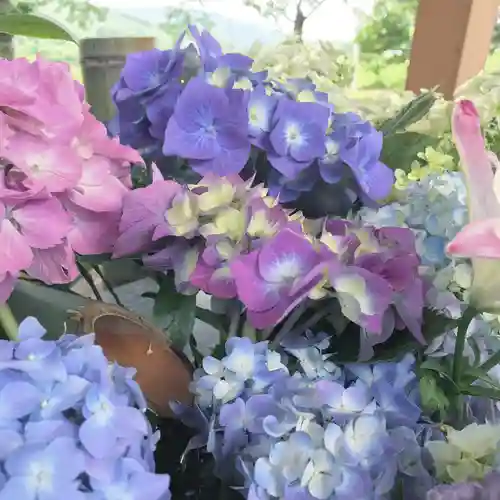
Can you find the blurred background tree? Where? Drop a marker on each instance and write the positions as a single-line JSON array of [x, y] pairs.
[[296, 12], [384, 42], [177, 19], [6, 43], [389, 29], [81, 13]]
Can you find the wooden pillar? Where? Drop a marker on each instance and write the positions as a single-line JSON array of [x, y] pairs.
[[451, 43], [102, 60]]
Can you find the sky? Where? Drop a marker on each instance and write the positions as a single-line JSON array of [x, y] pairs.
[[334, 20]]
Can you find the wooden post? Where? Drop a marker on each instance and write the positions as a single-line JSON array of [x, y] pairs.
[[102, 59], [6, 40], [451, 43]]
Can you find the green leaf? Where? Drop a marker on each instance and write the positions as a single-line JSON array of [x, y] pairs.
[[35, 26], [434, 324], [174, 312], [483, 392], [411, 113], [399, 151], [49, 305], [95, 259], [471, 374], [198, 357], [433, 397], [436, 366], [211, 318], [116, 271]]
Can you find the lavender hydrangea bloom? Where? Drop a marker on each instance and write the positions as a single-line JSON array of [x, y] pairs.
[[145, 97], [197, 106], [261, 107], [298, 136], [209, 127], [308, 438], [77, 432], [462, 491], [379, 286], [434, 208], [358, 144]]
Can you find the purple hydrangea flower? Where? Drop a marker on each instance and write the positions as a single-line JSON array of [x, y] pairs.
[[461, 491], [379, 286], [209, 48], [298, 136], [272, 280], [261, 107], [356, 143], [145, 97], [209, 127]]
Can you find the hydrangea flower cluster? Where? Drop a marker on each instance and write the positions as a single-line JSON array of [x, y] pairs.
[[62, 179], [71, 425], [435, 209], [319, 433], [231, 240], [198, 229], [209, 110], [377, 283]]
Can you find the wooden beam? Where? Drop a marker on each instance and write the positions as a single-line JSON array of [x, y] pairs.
[[451, 43]]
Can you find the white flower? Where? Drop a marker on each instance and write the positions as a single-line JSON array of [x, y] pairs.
[[321, 476]]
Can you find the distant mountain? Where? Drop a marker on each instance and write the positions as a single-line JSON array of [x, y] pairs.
[[116, 23], [233, 34]]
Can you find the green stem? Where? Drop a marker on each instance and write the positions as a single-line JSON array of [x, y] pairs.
[[235, 322], [317, 316], [290, 322], [458, 357], [108, 285], [88, 278], [149, 173], [490, 362], [8, 322]]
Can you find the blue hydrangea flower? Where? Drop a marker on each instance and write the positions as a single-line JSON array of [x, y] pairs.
[[307, 436], [209, 127], [298, 136], [356, 143], [197, 107], [71, 425], [434, 208], [145, 97], [261, 107]]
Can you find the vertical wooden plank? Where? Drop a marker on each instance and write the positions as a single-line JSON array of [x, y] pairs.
[[102, 59], [6, 41], [451, 43]]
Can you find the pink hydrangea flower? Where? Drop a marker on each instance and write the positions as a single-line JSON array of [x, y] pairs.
[[144, 217], [378, 284], [272, 280], [62, 179]]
